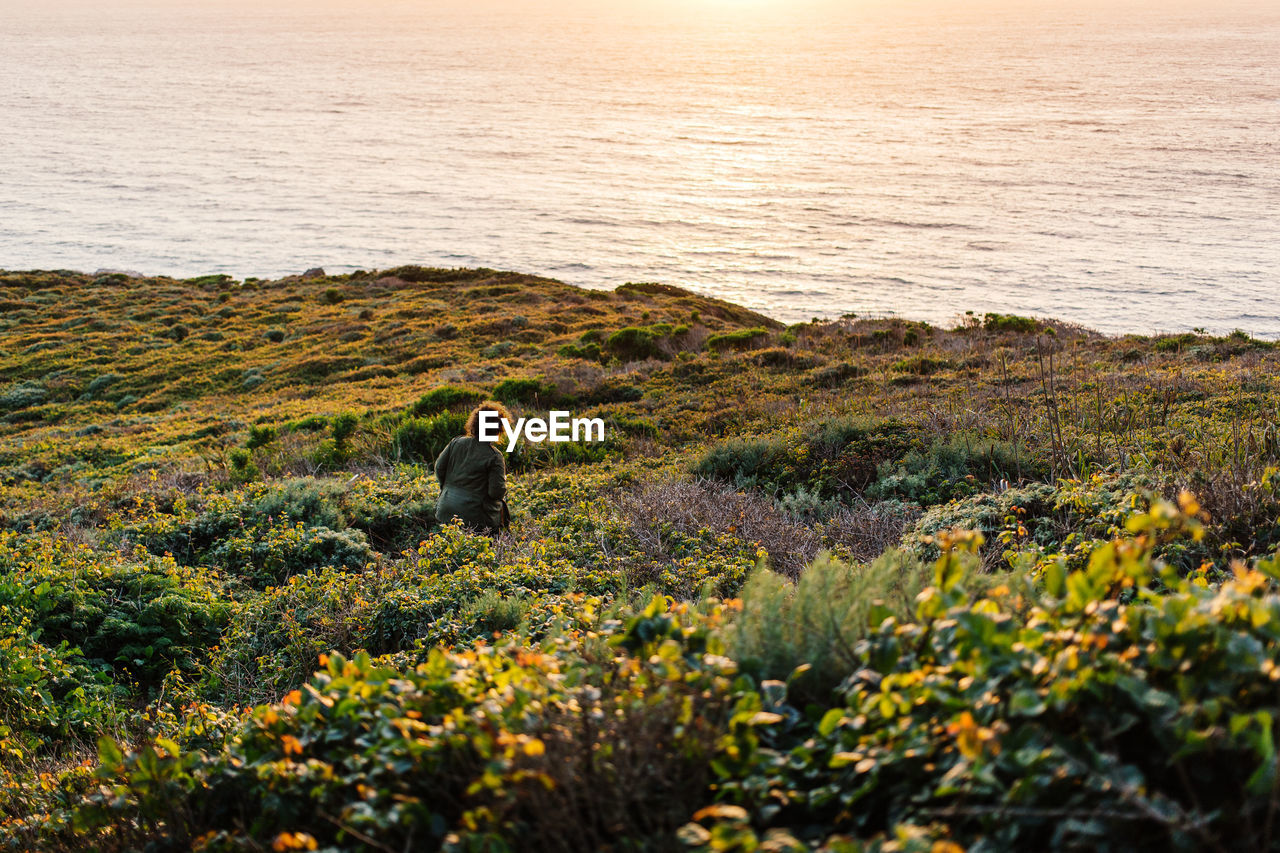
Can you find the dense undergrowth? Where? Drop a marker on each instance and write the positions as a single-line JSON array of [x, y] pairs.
[[862, 584]]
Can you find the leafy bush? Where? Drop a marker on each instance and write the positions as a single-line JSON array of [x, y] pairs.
[[141, 619], [587, 352], [342, 427], [835, 457], [275, 552], [672, 520], [956, 466], [241, 466], [311, 423], [394, 513], [51, 701], [633, 344], [422, 439], [299, 501], [993, 322], [260, 436], [921, 365], [523, 391], [23, 395], [100, 383], [528, 456], [747, 462], [365, 741], [1059, 718], [446, 398], [276, 639], [781, 357], [837, 374], [651, 287], [615, 391], [740, 339], [807, 631]]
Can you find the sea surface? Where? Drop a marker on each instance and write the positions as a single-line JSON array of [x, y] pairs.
[[1115, 164]]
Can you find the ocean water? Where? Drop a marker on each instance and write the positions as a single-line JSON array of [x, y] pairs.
[[1115, 164]]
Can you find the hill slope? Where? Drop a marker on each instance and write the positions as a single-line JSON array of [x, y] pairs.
[[1009, 584]]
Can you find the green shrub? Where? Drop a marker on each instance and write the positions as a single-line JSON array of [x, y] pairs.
[[274, 335], [422, 439], [633, 344], [615, 391], [523, 391], [837, 374], [311, 423], [100, 383], [1036, 719], [273, 553], [213, 280], [1037, 524], [305, 500], [342, 427], [1175, 343], [651, 288], [241, 467], [837, 456], [23, 395], [953, 467], [644, 427], [420, 275], [586, 352], [331, 296], [407, 756], [395, 524], [446, 398], [139, 619], [251, 379], [320, 368], [547, 454], [782, 358], [51, 702], [745, 463], [260, 436], [741, 339], [276, 640], [807, 632], [993, 322], [498, 349], [392, 513], [921, 365]]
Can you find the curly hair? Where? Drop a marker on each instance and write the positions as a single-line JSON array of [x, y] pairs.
[[473, 422]]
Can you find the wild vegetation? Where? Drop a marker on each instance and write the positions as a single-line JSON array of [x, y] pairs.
[[863, 584]]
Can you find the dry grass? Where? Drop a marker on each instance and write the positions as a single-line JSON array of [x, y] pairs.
[[691, 507], [866, 531]]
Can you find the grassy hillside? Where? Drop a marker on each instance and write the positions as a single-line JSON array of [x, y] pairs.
[[861, 584]]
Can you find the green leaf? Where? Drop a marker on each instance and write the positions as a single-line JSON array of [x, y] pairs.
[[109, 754], [1055, 579], [1027, 703], [830, 721], [948, 572]]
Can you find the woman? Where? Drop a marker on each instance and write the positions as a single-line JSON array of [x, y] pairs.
[[473, 476]]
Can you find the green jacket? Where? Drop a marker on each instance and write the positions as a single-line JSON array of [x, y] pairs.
[[473, 481]]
